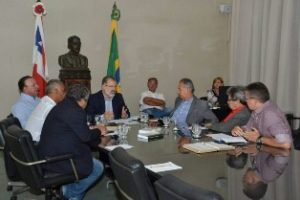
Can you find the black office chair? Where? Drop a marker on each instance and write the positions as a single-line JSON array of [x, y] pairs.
[[14, 183], [131, 177], [294, 123], [23, 152], [170, 187]]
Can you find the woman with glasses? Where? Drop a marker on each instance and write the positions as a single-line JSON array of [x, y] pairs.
[[239, 114]]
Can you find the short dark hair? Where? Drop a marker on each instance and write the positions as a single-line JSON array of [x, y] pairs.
[[21, 82], [189, 83], [78, 92], [106, 78], [153, 79], [53, 83], [259, 91], [237, 93]]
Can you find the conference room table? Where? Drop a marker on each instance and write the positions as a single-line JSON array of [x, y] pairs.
[[213, 171]]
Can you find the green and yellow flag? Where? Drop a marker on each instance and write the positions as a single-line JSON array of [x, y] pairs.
[[113, 68]]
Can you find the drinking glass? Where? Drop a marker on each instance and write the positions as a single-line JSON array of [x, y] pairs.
[[144, 117], [97, 119], [166, 121], [89, 120], [123, 130], [196, 130]]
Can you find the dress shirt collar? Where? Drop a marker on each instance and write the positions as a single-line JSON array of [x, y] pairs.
[[259, 110], [28, 97]]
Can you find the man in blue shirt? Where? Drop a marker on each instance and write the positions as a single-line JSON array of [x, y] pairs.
[[27, 101], [189, 109]]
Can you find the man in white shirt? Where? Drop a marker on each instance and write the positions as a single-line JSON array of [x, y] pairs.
[[55, 92], [153, 102]]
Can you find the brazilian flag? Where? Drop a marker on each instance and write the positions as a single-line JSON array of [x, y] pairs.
[[113, 68]]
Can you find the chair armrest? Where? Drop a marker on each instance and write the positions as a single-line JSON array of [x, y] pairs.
[[58, 158], [49, 160]]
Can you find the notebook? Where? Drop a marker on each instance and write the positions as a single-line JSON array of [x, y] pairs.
[[221, 137], [205, 147]]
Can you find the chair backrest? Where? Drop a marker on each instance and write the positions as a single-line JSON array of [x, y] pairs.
[[131, 175], [223, 97], [22, 149], [4, 124], [170, 187], [10, 167]]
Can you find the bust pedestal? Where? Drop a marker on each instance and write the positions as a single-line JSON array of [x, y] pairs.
[[75, 76]]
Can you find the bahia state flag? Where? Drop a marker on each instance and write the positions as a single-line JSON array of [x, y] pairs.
[[40, 70], [113, 68]]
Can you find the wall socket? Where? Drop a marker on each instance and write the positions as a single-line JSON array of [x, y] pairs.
[[225, 8]]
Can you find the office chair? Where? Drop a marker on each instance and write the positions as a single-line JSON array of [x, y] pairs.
[[294, 123], [170, 187], [131, 178], [23, 152], [14, 179]]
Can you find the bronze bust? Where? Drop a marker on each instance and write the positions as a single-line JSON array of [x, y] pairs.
[[74, 66], [73, 59]]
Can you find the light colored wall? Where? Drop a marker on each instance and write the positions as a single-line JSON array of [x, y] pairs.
[[169, 39]]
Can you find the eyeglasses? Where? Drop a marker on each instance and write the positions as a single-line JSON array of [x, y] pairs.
[[111, 86]]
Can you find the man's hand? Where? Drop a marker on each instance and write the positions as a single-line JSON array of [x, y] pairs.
[[109, 116], [237, 131], [251, 135], [124, 113], [102, 128]]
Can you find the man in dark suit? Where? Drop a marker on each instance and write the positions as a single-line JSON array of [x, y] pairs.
[[107, 102], [65, 131], [189, 109]]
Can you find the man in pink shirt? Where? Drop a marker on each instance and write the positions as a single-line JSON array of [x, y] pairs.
[[267, 124]]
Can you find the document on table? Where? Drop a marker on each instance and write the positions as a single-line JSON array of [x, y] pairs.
[[162, 167], [129, 121], [221, 137], [124, 146]]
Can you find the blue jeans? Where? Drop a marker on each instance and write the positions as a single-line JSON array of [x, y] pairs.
[[76, 191], [157, 113]]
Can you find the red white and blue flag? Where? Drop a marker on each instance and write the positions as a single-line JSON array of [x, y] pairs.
[[40, 69]]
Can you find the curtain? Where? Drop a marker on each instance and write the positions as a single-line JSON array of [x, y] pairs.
[[265, 42]]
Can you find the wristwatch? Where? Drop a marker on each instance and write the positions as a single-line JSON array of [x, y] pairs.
[[259, 140]]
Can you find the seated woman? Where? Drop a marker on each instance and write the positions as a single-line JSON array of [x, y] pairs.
[[213, 93], [239, 114]]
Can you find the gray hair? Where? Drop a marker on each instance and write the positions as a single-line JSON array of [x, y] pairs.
[[52, 84], [78, 92], [237, 93], [188, 83]]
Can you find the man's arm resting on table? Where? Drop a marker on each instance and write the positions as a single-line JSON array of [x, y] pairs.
[[154, 102], [273, 143]]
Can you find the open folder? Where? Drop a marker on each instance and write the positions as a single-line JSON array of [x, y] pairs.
[[221, 137], [205, 147]]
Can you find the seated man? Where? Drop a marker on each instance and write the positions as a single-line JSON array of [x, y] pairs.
[[27, 101], [267, 124], [239, 114], [152, 102], [107, 102], [189, 109], [65, 131], [55, 92]]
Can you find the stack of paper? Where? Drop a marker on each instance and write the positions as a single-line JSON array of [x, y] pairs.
[[221, 137], [124, 146], [150, 133], [204, 147], [162, 167]]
